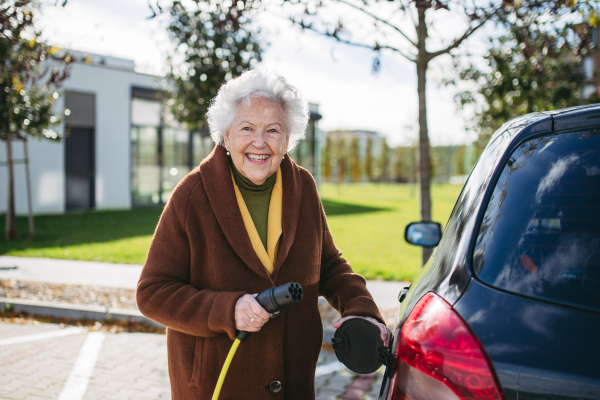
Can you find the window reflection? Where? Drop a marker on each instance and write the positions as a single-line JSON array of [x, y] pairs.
[[162, 151], [202, 146], [540, 234], [145, 182]]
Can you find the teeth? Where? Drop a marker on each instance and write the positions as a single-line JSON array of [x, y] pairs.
[[257, 157]]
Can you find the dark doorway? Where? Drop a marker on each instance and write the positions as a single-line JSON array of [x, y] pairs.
[[79, 169]]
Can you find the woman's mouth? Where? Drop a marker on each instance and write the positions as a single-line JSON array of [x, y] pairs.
[[257, 158]]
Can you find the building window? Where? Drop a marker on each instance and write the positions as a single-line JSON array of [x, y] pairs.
[[202, 146], [145, 182], [175, 157], [162, 150]]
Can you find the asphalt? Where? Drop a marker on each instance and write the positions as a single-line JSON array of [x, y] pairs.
[[50, 361]]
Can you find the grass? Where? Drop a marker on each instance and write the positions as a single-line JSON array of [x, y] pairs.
[[373, 242], [367, 222], [110, 236]]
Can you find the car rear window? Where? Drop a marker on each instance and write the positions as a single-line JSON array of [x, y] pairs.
[[540, 234]]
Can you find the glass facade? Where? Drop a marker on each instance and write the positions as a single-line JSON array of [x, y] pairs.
[[175, 159], [307, 151], [145, 182], [202, 145], [162, 151]]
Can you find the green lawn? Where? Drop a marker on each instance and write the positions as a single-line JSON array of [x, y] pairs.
[[111, 236], [367, 222], [373, 242]]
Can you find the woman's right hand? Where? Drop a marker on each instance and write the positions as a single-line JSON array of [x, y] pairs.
[[249, 315]]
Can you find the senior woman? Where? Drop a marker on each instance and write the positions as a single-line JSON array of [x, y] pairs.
[[248, 218]]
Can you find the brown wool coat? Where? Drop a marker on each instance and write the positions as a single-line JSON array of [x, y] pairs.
[[201, 261]]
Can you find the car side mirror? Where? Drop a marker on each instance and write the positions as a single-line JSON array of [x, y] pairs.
[[426, 234]]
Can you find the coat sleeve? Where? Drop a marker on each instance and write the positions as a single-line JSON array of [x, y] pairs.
[[346, 291], [164, 293]]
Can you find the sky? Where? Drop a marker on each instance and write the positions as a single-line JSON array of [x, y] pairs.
[[335, 76]]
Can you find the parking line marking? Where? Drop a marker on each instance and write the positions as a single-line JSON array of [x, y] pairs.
[[41, 336], [329, 368], [78, 380]]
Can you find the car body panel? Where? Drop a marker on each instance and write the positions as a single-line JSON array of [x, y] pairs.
[[576, 118], [526, 340]]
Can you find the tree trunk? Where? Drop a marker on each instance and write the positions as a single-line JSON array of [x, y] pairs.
[[28, 176], [424, 163], [11, 221]]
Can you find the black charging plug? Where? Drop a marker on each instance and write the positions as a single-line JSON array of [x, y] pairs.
[[274, 300]]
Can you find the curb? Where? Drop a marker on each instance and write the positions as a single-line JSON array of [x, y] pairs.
[[90, 312], [79, 311]]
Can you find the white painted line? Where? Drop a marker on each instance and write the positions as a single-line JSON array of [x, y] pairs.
[[329, 368], [42, 336], [81, 372]]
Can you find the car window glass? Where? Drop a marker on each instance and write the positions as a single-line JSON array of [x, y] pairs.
[[540, 234]]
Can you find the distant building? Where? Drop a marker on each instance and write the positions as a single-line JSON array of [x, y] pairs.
[[307, 152], [122, 148], [352, 155]]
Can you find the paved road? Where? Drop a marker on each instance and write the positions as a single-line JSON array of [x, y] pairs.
[[47, 361]]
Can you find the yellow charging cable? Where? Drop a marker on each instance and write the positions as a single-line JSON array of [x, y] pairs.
[[272, 300], [234, 347]]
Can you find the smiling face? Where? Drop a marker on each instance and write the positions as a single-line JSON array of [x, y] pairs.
[[257, 139]]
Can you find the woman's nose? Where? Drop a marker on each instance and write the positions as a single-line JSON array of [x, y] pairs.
[[260, 140]]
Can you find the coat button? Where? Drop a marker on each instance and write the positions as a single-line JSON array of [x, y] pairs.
[[275, 386]]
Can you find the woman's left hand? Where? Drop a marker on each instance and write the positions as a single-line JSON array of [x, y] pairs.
[[386, 333]]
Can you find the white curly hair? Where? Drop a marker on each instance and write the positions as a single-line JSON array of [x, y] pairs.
[[258, 84]]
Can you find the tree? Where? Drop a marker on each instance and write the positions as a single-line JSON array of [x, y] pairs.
[[460, 161], [385, 160], [399, 167], [341, 155], [386, 32], [354, 159], [535, 66], [327, 159], [213, 44], [369, 158], [28, 82]]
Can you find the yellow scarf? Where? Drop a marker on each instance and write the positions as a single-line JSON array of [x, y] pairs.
[[274, 230]]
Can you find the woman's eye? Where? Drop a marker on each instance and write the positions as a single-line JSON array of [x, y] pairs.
[[246, 128]]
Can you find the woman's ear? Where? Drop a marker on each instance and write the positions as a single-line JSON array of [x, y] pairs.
[[284, 149], [226, 140]]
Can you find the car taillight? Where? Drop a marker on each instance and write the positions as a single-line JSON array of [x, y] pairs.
[[438, 357]]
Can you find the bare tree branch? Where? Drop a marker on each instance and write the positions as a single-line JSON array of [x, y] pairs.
[[379, 19], [412, 17], [465, 35], [335, 36]]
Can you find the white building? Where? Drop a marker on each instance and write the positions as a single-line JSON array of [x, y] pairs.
[[122, 148]]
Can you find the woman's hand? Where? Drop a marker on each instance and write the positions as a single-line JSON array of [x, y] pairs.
[[386, 333], [249, 315]]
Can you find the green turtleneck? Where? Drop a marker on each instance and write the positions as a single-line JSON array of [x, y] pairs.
[[257, 199]]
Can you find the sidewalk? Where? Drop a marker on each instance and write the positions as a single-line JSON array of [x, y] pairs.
[[47, 361], [125, 276]]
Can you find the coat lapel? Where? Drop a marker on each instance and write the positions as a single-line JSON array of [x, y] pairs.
[[216, 178], [292, 193]]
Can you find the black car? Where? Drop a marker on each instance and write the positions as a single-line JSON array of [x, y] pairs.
[[508, 305]]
